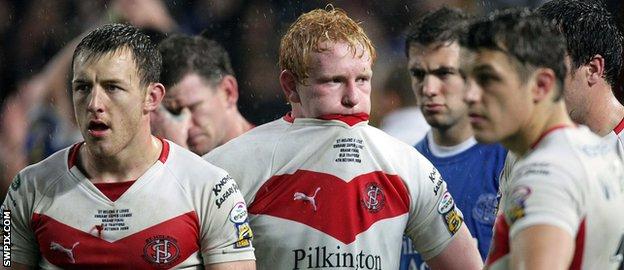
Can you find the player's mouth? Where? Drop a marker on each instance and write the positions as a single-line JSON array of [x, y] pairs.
[[433, 107], [476, 119], [97, 128]]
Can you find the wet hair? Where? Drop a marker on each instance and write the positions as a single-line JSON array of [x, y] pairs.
[[310, 30], [115, 37], [444, 25], [529, 40], [589, 30], [184, 54]]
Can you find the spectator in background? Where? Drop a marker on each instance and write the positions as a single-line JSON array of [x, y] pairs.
[[470, 169], [402, 118], [200, 111]]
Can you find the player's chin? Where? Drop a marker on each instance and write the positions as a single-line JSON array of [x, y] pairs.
[[485, 136]]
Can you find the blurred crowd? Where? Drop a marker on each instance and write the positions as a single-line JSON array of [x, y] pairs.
[[38, 36]]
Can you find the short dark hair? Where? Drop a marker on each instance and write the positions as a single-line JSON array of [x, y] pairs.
[[113, 37], [589, 29], [184, 54], [528, 39], [442, 25]]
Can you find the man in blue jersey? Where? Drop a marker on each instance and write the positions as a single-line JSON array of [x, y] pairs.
[[470, 169]]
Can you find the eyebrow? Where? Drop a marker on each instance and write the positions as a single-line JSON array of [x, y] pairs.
[[483, 68]]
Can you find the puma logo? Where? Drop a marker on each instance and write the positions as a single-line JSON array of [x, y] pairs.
[[68, 251], [303, 197]]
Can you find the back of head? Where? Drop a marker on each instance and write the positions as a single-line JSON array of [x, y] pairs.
[[589, 30], [311, 30], [527, 39], [183, 55], [114, 37], [444, 25]]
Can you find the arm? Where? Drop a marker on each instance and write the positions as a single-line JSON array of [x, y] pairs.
[[461, 253], [542, 247], [237, 265]]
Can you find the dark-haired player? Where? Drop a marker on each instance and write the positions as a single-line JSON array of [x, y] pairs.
[[123, 198], [557, 210], [202, 92], [594, 58], [470, 169]]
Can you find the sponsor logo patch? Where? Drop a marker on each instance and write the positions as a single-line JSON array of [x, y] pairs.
[[453, 220], [446, 204], [374, 199], [516, 203], [244, 235], [238, 214], [17, 182], [161, 251]]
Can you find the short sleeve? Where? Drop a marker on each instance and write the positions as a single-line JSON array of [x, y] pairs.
[[18, 206], [434, 218], [225, 232], [541, 193]]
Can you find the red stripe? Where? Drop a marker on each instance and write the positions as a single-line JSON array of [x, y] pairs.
[[577, 261], [617, 129], [500, 241], [73, 155], [289, 118], [95, 253], [548, 131], [164, 154], [114, 190], [342, 203], [349, 119]]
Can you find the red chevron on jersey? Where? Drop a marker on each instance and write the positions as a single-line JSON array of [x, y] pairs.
[[500, 241], [305, 197], [160, 246]]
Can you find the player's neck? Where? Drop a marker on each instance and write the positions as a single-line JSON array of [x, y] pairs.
[[128, 164], [238, 126], [454, 135], [540, 123], [605, 112]]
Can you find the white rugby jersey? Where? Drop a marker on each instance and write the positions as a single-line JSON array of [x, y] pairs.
[[337, 194], [182, 213], [573, 181]]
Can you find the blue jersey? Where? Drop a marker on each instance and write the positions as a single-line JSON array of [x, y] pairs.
[[472, 179]]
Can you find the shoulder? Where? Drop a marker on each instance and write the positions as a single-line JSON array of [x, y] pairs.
[[45, 172], [190, 169], [258, 139]]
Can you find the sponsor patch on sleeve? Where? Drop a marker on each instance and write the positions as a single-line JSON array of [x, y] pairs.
[[244, 235], [238, 216], [514, 209], [452, 218]]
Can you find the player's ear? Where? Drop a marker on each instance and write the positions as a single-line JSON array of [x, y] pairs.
[[545, 84], [288, 81], [229, 85], [595, 69], [153, 96]]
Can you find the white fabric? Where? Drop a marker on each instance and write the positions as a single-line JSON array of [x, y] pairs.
[[570, 178], [406, 124], [448, 151], [55, 211], [311, 189]]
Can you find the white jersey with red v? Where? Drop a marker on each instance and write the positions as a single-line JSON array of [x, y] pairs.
[[336, 193], [183, 213], [572, 180]]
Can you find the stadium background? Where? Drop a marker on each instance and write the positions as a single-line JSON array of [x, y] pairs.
[[34, 118]]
